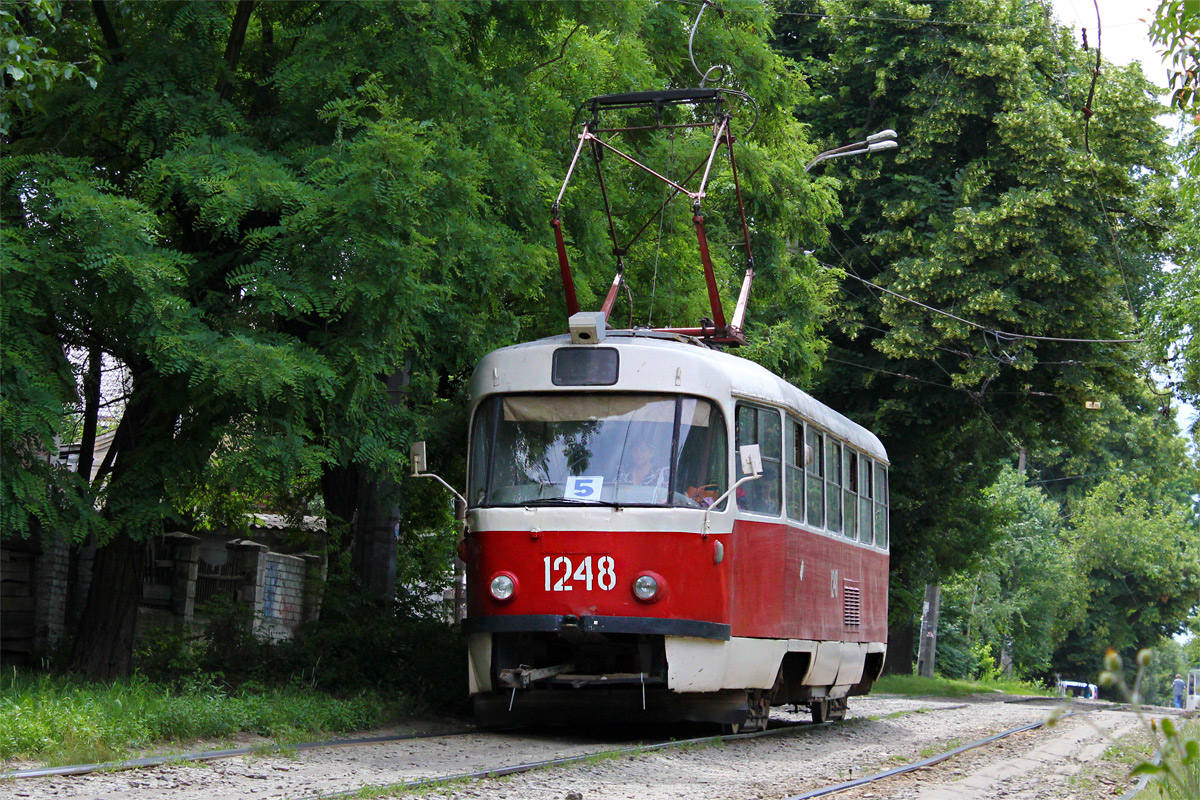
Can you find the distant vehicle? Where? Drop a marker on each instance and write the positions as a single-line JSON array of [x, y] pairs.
[[1192, 700], [1088, 691]]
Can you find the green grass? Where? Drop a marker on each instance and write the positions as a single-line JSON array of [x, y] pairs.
[[1115, 765], [942, 747], [915, 686], [1188, 770], [57, 721]]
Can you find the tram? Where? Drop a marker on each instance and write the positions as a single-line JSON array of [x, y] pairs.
[[658, 529], [622, 559]]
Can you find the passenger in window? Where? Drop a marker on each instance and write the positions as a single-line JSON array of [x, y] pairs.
[[647, 468], [768, 502]]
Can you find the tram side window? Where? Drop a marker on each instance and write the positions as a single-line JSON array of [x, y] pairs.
[[816, 478], [850, 504], [866, 512], [761, 426], [833, 485], [794, 450], [481, 450], [881, 505]]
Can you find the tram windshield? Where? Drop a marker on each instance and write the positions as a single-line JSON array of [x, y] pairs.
[[624, 449]]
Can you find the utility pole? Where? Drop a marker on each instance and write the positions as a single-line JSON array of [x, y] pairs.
[[927, 647]]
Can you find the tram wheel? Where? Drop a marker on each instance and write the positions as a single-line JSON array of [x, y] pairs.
[[759, 703], [825, 710], [758, 713], [837, 708]]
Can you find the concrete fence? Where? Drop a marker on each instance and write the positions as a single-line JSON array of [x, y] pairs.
[[41, 586]]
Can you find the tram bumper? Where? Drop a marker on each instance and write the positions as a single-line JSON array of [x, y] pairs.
[[504, 651], [617, 705]]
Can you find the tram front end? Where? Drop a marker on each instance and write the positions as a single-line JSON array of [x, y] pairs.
[[596, 539]]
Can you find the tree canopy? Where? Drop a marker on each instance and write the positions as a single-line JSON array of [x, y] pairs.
[[996, 266], [298, 225]]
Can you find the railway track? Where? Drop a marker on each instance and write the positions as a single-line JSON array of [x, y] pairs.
[[452, 740], [213, 755]]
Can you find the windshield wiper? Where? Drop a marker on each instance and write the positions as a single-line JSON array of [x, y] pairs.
[[554, 501]]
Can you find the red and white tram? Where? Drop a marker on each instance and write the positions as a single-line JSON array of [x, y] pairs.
[[656, 527], [611, 571]]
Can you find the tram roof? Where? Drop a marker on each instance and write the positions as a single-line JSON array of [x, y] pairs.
[[666, 361]]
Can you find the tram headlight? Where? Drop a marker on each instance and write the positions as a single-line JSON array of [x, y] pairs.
[[645, 588], [503, 587]]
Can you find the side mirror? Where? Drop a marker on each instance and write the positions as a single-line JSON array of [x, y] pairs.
[[419, 464], [750, 460], [417, 457], [750, 456]]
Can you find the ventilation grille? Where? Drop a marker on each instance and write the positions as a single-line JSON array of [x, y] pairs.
[[852, 597]]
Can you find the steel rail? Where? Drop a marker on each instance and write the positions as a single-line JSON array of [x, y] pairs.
[[516, 769], [880, 776], [421, 783], [213, 755]]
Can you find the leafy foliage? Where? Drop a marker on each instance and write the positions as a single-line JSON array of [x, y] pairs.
[[1024, 595], [995, 265], [28, 67], [1176, 27], [1175, 312], [1141, 566], [299, 228]]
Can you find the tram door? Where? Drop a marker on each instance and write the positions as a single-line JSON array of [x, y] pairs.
[[1192, 701]]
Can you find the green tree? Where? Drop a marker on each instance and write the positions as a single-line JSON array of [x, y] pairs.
[[1140, 561], [1176, 28], [993, 266], [1174, 315], [28, 67], [1026, 592], [298, 225]]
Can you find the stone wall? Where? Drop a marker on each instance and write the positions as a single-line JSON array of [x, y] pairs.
[[33, 600], [283, 594], [185, 572]]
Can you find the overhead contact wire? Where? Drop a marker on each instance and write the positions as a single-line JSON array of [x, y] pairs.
[[998, 333]]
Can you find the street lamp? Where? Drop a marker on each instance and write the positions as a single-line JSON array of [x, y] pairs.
[[884, 140]]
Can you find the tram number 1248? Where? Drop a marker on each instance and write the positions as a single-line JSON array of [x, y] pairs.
[[561, 572]]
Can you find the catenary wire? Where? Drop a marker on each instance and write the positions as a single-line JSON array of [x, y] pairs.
[[1007, 335]]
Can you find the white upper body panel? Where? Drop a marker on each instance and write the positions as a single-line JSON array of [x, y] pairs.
[[659, 363]]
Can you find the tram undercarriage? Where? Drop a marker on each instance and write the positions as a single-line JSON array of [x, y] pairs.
[[567, 676]]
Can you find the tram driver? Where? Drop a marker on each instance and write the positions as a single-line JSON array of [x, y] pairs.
[[646, 469]]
